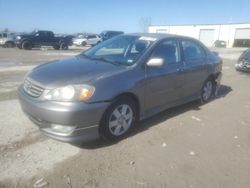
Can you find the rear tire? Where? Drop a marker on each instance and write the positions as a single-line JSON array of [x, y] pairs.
[[118, 119], [63, 46], [57, 47], [9, 45], [26, 45], [84, 43], [207, 90]]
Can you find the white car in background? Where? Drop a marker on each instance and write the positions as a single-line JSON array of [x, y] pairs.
[[91, 40]]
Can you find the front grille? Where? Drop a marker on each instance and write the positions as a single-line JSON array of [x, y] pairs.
[[32, 89]]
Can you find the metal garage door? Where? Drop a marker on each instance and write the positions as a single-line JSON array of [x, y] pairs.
[[207, 36], [242, 33], [161, 31]]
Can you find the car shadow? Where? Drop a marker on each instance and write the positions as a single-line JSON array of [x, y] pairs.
[[155, 120]]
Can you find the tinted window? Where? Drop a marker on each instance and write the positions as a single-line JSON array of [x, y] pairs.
[[46, 34], [192, 50], [5, 35], [50, 34], [91, 37], [167, 50]]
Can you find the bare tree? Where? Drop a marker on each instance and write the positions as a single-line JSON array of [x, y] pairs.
[[144, 23]]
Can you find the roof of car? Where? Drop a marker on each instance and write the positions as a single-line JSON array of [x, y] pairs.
[[157, 36]]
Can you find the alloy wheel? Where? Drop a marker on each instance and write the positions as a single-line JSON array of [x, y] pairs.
[[207, 90], [120, 119]]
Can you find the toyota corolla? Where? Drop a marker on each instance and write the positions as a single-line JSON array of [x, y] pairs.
[[105, 90]]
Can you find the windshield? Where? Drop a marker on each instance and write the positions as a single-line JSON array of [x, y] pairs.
[[123, 49], [33, 32]]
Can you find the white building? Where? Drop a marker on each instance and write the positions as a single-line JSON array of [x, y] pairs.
[[233, 34]]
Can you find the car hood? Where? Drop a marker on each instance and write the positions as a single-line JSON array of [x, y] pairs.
[[25, 35], [74, 70]]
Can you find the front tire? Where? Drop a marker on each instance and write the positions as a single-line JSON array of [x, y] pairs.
[[207, 91], [9, 45], [84, 43], [57, 47], [119, 118], [26, 45], [64, 46]]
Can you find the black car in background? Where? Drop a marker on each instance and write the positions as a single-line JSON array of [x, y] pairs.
[[105, 35], [220, 44], [243, 63], [42, 38]]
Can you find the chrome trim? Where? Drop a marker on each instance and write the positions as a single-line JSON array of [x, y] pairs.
[[82, 128], [32, 89]]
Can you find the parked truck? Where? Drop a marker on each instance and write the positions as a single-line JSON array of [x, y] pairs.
[[42, 38], [7, 39]]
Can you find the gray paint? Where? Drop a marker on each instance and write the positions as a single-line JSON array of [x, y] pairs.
[[156, 88]]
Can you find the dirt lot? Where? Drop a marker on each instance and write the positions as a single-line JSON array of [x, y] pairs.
[[189, 146]]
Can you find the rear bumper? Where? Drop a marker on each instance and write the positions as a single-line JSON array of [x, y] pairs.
[[242, 67], [81, 120]]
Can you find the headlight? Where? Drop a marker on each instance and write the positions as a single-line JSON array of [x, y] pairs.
[[18, 37], [70, 93]]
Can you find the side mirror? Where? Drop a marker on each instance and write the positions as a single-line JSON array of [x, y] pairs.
[[155, 62]]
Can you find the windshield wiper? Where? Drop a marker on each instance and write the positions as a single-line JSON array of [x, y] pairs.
[[101, 59], [89, 57], [106, 60]]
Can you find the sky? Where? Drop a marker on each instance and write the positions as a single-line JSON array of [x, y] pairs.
[[72, 16]]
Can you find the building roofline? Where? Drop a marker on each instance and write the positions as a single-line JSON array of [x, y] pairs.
[[236, 23]]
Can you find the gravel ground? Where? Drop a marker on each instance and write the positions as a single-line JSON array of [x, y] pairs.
[[188, 146]]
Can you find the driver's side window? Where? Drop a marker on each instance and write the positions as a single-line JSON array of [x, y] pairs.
[[168, 51]]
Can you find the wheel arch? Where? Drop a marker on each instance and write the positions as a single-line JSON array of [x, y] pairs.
[[27, 40], [10, 41], [213, 77], [131, 96]]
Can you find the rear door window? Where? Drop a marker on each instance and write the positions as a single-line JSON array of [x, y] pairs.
[[168, 51], [91, 37], [192, 51]]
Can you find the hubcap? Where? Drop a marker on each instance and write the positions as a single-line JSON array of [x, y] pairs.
[[120, 120], [207, 90]]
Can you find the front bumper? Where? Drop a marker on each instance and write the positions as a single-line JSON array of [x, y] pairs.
[[82, 118]]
